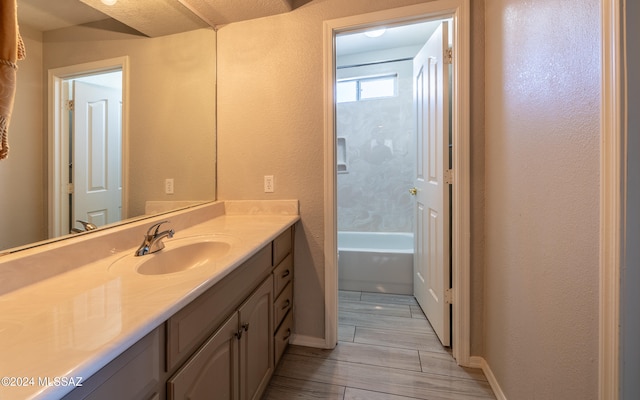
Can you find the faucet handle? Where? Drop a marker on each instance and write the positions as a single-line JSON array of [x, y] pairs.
[[153, 229]]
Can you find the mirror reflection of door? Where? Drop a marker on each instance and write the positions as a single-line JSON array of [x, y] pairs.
[[95, 150]]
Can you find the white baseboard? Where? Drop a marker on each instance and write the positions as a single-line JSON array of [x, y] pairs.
[[475, 362], [480, 362], [308, 341]]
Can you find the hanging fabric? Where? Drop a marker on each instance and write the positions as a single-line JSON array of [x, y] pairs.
[[11, 50]]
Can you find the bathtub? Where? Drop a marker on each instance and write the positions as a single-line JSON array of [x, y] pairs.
[[375, 262]]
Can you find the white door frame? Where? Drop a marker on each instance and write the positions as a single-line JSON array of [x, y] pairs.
[[461, 226], [612, 177], [56, 131]]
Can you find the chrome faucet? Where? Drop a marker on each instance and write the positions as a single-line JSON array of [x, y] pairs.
[[88, 226], [153, 239]]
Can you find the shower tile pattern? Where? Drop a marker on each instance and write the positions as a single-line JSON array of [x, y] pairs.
[[373, 195]]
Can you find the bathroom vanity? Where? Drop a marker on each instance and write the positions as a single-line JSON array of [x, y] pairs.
[[216, 329]]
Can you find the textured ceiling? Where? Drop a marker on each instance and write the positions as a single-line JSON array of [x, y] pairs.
[[47, 15], [150, 17], [220, 12]]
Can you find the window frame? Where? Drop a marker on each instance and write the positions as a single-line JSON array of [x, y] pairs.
[[368, 78]]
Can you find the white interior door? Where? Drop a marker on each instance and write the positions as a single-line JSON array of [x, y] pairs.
[[97, 155], [431, 264]]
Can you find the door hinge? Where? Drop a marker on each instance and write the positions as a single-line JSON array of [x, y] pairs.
[[70, 104], [448, 177], [69, 188], [448, 296], [448, 55]]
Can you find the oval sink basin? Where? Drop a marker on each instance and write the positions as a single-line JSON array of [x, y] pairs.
[[182, 258], [178, 256]]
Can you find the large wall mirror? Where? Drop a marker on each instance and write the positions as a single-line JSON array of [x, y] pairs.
[[168, 117]]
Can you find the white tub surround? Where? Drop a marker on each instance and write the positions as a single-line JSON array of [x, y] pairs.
[[65, 313], [375, 262]]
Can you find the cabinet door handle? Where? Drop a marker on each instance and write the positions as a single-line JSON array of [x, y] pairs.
[[238, 334], [287, 336], [286, 273], [286, 304], [245, 326]]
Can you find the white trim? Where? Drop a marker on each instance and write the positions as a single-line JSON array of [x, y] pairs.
[[55, 128], [459, 11], [480, 362], [610, 203], [330, 217]]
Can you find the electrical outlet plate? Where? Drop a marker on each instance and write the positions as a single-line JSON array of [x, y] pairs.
[[268, 184], [168, 186]]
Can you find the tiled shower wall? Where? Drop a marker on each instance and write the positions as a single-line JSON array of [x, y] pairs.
[[373, 195]]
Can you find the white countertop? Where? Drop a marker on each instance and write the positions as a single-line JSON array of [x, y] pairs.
[[73, 324]]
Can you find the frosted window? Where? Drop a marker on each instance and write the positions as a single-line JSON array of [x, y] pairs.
[[366, 88], [379, 87], [347, 91]]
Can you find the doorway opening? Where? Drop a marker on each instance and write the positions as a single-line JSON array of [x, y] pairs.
[[381, 98], [87, 139], [380, 146]]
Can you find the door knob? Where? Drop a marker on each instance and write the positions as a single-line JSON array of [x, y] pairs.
[[413, 191]]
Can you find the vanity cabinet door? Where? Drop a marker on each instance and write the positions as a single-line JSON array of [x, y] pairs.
[[256, 343], [212, 372]]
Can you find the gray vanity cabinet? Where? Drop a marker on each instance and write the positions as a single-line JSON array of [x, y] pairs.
[[223, 345], [213, 371], [237, 361], [133, 375], [256, 342], [283, 292]]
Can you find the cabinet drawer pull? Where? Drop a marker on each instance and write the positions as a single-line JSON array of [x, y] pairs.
[[286, 304], [286, 273], [288, 335]]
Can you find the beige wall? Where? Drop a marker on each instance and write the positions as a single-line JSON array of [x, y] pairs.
[[22, 196], [542, 185], [270, 122]]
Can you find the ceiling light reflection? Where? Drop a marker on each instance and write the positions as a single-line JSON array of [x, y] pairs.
[[375, 33]]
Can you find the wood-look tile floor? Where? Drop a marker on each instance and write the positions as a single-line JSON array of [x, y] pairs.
[[386, 350]]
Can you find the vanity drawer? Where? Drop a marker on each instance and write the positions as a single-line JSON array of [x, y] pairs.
[[282, 274], [282, 246], [282, 336], [189, 327], [282, 305]]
